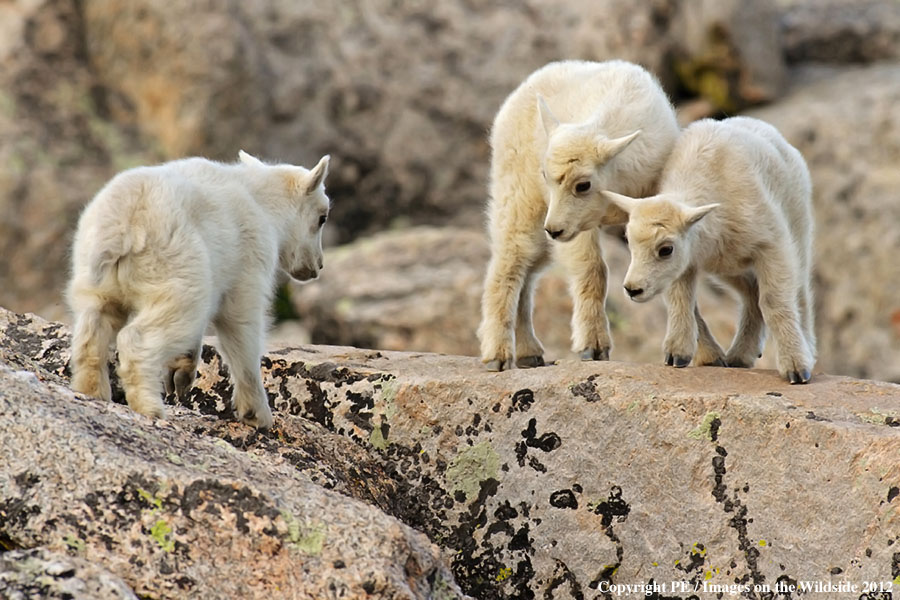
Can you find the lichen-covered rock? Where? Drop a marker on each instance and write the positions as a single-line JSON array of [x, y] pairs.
[[846, 124], [41, 574], [186, 511], [549, 482]]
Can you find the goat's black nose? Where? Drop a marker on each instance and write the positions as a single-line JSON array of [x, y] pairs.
[[632, 292], [554, 234]]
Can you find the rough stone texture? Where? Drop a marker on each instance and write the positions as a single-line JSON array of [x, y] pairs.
[[57, 148], [204, 509], [847, 126], [540, 483], [41, 574], [841, 31]]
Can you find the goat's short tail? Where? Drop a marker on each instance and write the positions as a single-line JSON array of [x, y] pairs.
[[115, 242]]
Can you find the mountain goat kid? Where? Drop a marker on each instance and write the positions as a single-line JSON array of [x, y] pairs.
[[735, 202], [570, 130], [163, 251]]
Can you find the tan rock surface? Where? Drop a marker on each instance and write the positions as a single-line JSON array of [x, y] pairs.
[[545, 482]]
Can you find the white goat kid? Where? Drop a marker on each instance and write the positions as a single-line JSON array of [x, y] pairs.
[[735, 202], [163, 251], [567, 132]]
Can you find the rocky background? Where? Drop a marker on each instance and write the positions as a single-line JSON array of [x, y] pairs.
[[402, 94]]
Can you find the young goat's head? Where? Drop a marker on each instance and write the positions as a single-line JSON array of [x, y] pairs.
[[575, 171], [303, 210], [660, 237]]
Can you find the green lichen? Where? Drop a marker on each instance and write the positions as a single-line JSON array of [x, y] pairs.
[[876, 417], [150, 498], [308, 537], [472, 466], [161, 532], [74, 543], [174, 458], [389, 390], [377, 439], [704, 430]]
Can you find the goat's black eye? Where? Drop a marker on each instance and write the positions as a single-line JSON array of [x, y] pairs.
[[322, 220], [582, 186], [665, 251]]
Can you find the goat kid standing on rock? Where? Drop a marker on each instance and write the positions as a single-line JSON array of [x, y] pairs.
[[567, 132], [163, 251], [734, 201]]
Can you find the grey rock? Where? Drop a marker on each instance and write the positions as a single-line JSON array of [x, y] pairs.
[[545, 481], [54, 575]]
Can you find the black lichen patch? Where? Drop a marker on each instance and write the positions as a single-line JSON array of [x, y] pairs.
[[521, 401], [612, 508], [734, 506], [563, 499], [317, 408], [893, 493], [562, 577], [616, 508], [587, 390], [547, 442]]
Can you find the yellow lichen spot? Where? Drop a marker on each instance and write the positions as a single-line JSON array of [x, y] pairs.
[[698, 551], [504, 574], [763, 543], [655, 564], [708, 576], [897, 580], [161, 532]]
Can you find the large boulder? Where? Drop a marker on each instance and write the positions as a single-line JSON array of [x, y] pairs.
[[183, 511], [846, 124], [546, 483]]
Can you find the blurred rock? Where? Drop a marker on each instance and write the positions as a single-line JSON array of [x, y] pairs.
[[539, 483], [841, 31], [729, 52], [401, 93], [847, 126], [57, 148]]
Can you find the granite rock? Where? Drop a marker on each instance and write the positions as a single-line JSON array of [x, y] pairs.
[[550, 482]]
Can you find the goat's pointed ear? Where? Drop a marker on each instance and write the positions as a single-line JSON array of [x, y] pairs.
[[318, 174], [549, 121], [624, 203], [249, 159], [609, 148], [694, 214]]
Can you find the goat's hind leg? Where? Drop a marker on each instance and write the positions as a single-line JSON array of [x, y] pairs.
[[93, 332]]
